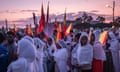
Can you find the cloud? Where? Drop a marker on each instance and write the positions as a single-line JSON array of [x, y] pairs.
[[95, 11], [17, 11], [28, 10]]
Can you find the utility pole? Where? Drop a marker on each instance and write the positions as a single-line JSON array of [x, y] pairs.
[[113, 12]]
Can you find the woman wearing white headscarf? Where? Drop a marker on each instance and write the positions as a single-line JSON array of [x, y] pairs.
[[98, 52], [114, 48], [74, 54], [60, 57], [39, 58], [26, 57], [51, 49], [84, 53]]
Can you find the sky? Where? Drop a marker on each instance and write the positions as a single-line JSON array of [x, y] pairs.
[[13, 10]]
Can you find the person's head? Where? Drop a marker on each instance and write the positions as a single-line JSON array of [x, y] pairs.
[[77, 36], [84, 39], [92, 39], [19, 35], [2, 38], [41, 35], [10, 36], [65, 38], [49, 41]]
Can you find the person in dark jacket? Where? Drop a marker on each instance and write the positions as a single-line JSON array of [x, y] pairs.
[[3, 54], [11, 46]]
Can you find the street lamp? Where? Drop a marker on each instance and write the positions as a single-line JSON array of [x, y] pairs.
[[113, 9]]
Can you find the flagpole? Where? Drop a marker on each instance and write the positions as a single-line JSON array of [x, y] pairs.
[[35, 23]]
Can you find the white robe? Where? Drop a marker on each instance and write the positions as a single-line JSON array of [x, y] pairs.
[[38, 63], [60, 57], [114, 48], [98, 52], [85, 56], [26, 57]]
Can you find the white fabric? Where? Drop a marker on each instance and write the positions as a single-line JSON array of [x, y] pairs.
[[84, 53], [74, 55], [97, 34], [26, 56], [98, 52], [114, 48], [38, 63], [60, 57]]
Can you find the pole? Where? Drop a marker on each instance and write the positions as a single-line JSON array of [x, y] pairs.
[[6, 22], [113, 13], [35, 23]]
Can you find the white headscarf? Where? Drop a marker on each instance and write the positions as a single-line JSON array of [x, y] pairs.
[[83, 34], [112, 36], [26, 49], [29, 38], [114, 44], [26, 56], [38, 63], [97, 35]]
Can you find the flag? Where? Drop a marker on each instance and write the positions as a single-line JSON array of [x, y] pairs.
[[70, 27], [103, 37], [47, 13], [29, 30], [15, 29], [42, 21], [64, 25], [59, 33]]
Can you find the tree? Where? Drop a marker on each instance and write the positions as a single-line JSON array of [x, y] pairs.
[[84, 17], [117, 20], [79, 20], [100, 19], [89, 19]]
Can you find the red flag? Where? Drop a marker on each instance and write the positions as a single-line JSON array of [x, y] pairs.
[[69, 29], [59, 33], [42, 21], [47, 13], [65, 22]]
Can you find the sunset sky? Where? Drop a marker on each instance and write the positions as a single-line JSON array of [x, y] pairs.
[[22, 9]]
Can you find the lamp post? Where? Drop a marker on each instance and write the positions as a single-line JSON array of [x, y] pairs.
[[113, 12]]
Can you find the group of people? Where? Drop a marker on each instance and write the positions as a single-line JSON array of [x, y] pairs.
[[76, 52]]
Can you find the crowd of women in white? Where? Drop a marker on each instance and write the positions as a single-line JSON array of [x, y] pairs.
[[33, 54]]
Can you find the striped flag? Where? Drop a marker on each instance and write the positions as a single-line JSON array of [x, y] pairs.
[[103, 37], [70, 27], [59, 33]]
